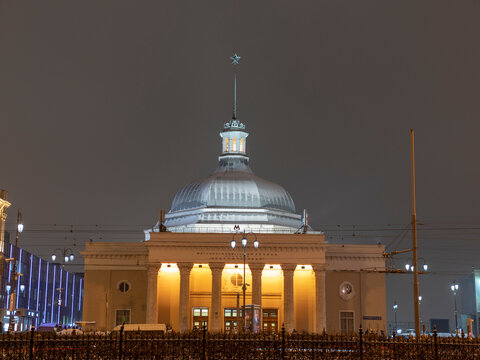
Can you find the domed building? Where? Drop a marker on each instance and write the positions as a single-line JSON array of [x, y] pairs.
[[233, 247], [233, 195]]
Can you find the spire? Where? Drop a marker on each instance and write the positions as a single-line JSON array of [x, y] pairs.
[[235, 59], [234, 137]]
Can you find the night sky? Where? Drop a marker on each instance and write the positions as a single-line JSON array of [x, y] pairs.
[[107, 108]]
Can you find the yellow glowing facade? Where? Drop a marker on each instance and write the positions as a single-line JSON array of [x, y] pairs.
[[188, 280]]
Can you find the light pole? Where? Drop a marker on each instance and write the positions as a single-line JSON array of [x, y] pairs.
[[14, 277], [395, 307], [66, 253], [419, 305], [454, 289], [233, 243], [59, 303]]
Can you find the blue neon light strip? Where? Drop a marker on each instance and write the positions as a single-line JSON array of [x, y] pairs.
[[66, 289], [80, 295], [19, 269], [30, 281], [10, 264], [73, 294], [46, 291], [60, 286], [38, 284], [53, 291]]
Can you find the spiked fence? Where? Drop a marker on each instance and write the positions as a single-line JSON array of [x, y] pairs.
[[202, 345]]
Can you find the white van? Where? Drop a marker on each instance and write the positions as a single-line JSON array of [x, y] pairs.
[[141, 327]]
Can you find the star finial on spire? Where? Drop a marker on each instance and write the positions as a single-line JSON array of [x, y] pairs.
[[235, 59]]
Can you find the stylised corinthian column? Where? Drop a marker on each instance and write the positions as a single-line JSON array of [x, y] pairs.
[[184, 299], [216, 307], [152, 306], [256, 270], [320, 308], [288, 306]]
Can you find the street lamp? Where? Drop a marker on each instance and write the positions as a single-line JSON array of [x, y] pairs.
[[233, 243], [420, 304], [14, 277], [410, 267], [59, 303], [454, 289], [66, 255], [395, 307]]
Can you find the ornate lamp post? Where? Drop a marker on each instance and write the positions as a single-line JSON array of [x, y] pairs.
[[395, 307], [233, 243], [454, 289], [59, 303], [420, 304], [66, 255], [14, 277]]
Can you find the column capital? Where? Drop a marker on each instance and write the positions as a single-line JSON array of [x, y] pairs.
[[153, 268], [256, 267], [319, 267], [184, 267], [288, 268], [216, 268]]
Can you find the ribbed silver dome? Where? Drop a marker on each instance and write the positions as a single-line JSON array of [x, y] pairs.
[[233, 185]]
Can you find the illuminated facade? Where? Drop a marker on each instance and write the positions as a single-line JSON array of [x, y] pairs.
[[189, 276], [39, 292]]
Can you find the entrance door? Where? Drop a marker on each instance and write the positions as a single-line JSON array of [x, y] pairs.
[[232, 323], [200, 317], [270, 320]]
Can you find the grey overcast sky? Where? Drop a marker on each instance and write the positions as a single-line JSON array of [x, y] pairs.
[[107, 108]]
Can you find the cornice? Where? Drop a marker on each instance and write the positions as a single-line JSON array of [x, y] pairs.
[[113, 256]]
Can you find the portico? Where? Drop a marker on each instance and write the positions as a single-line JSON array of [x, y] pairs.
[[204, 281]]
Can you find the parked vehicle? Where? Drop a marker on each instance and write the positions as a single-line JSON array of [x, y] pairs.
[[141, 327]]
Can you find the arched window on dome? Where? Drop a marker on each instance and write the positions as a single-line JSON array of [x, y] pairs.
[[234, 145], [241, 145], [226, 145]]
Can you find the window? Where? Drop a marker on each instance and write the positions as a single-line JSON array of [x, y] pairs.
[[122, 317], [200, 318], [346, 322], [123, 286], [237, 280], [226, 144], [270, 320], [241, 144], [231, 322], [234, 147]]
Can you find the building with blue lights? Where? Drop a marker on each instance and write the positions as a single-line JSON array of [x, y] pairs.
[[46, 292]]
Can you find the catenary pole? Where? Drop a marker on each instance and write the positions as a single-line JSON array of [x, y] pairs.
[[414, 240]]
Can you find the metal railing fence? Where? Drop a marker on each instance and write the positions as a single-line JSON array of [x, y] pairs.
[[201, 345]]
